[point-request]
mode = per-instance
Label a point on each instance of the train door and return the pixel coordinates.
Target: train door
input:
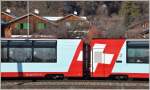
(97, 58)
(86, 60)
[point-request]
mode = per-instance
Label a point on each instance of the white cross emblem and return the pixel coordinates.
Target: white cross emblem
(98, 56)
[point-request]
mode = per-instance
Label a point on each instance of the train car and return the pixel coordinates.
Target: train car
(73, 58)
(120, 58)
(41, 58)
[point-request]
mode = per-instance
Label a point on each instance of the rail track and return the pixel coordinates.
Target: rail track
(75, 84)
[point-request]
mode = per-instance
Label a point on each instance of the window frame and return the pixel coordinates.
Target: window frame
(18, 26)
(26, 26)
(41, 26)
(22, 26)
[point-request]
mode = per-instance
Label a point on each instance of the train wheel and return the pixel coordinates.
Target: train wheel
(60, 77)
(121, 77)
(55, 76)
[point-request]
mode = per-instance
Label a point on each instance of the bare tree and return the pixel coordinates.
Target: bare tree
(116, 31)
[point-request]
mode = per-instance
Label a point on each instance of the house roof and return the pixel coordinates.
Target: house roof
(145, 31)
(12, 16)
(72, 15)
(31, 14)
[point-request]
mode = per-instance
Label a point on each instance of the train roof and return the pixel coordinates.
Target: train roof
(64, 39)
(137, 39)
(34, 39)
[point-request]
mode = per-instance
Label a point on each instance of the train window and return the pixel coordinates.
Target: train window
(4, 51)
(20, 54)
(45, 51)
(29, 51)
(45, 55)
(137, 52)
(20, 51)
(138, 55)
(4, 43)
(4, 54)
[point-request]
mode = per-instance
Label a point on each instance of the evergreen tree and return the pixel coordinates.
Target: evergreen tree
(129, 10)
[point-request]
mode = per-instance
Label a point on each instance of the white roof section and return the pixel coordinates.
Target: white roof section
(83, 17)
(55, 18)
(9, 15)
(52, 18)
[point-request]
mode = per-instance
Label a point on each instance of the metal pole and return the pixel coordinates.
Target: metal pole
(28, 19)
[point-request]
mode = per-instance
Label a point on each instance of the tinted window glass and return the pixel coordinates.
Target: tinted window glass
(20, 54)
(44, 55)
(3, 43)
(138, 44)
(20, 43)
(4, 54)
(44, 44)
(29, 51)
(138, 55)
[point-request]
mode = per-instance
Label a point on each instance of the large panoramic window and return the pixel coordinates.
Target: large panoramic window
(29, 51)
(20, 54)
(4, 57)
(138, 52)
(20, 51)
(136, 55)
(45, 51)
(4, 54)
(44, 55)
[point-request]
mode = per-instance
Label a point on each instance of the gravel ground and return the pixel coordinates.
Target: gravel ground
(74, 84)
